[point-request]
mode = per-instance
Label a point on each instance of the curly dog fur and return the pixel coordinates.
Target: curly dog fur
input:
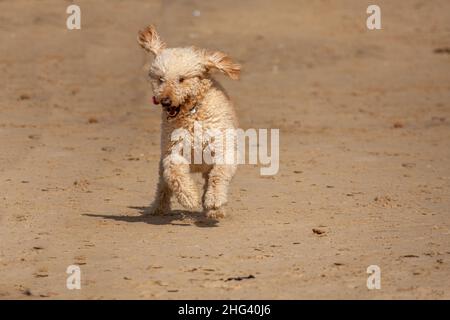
(181, 81)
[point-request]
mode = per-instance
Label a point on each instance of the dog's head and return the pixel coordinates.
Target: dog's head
(181, 75)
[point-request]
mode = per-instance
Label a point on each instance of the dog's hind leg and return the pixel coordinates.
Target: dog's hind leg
(176, 175)
(216, 194)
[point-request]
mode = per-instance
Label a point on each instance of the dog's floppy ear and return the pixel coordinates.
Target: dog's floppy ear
(223, 63)
(150, 41)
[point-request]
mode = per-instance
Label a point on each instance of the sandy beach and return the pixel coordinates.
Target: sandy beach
(364, 177)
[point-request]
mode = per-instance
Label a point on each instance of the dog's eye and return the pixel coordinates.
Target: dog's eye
(160, 79)
(180, 79)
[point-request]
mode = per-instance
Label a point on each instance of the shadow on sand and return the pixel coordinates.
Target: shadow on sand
(175, 217)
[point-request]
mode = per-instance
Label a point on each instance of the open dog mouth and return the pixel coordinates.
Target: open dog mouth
(172, 111)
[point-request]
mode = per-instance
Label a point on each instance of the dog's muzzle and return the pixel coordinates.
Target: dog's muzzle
(166, 103)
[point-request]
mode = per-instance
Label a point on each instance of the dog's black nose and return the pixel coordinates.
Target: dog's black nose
(166, 102)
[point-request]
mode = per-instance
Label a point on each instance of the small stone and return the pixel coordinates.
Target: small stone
(318, 231)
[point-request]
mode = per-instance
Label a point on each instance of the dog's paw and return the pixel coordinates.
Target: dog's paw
(188, 200)
(216, 213)
(213, 201)
(158, 210)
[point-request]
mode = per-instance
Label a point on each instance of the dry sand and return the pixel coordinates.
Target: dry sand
(364, 119)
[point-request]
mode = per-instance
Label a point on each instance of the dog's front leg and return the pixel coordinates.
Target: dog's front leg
(217, 190)
(176, 175)
(161, 205)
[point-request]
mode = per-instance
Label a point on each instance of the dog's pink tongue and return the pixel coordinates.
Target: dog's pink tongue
(154, 100)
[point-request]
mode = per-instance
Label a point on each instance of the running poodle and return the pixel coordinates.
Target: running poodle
(182, 84)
